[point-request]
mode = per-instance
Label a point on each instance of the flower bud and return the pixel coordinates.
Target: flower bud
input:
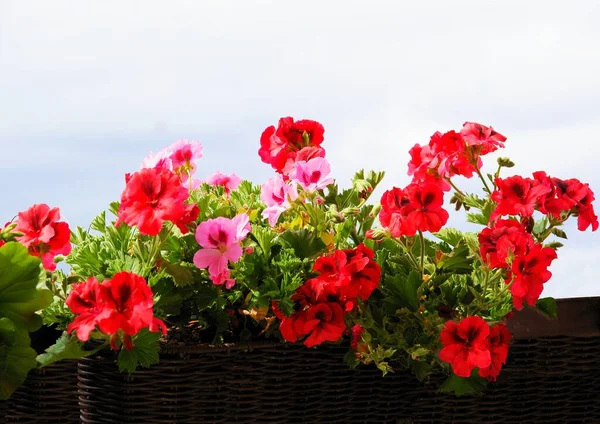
(376, 234)
(505, 162)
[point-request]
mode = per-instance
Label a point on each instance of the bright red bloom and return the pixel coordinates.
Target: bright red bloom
(466, 345)
(324, 322)
(530, 272)
(479, 135)
(585, 212)
(424, 212)
(85, 300)
(499, 340)
(151, 197)
(43, 235)
(190, 214)
(365, 273)
(393, 204)
(357, 331)
(130, 301)
(281, 147)
(444, 157)
(124, 303)
(517, 196)
(416, 208)
(505, 236)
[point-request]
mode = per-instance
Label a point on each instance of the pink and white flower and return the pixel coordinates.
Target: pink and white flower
(220, 240)
(277, 194)
(313, 174)
(229, 182)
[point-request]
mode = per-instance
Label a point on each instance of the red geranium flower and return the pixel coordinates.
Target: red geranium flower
(283, 146)
(122, 303)
(365, 273)
(505, 236)
(425, 212)
(466, 345)
(499, 339)
(444, 157)
(324, 322)
(585, 212)
(85, 300)
(43, 235)
(530, 272)
(393, 209)
(480, 135)
(517, 196)
(357, 331)
(130, 301)
(151, 197)
(190, 214)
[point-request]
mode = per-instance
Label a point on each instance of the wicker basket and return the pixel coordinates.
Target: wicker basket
(49, 395)
(549, 380)
(552, 376)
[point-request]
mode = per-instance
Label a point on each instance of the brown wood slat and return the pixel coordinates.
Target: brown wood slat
(578, 317)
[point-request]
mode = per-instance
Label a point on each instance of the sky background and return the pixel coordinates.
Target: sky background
(87, 89)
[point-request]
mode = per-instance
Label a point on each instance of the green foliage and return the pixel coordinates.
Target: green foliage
(144, 353)
(20, 299)
(404, 291)
(304, 243)
(66, 347)
(459, 386)
(547, 306)
(16, 357)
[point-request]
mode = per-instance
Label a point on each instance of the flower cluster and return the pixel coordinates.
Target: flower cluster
(40, 230)
(473, 344)
(321, 303)
(119, 307)
(220, 240)
(290, 143)
(300, 259)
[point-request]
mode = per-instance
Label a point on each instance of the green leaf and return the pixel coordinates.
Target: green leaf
(540, 225)
(66, 347)
(420, 369)
(19, 296)
(547, 306)
(450, 235)
(304, 243)
(16, 357)
(99, 222)
(473, 385)
(554, 245)
(182, 275)
(404, 289)
(205, 296)
(559, 233)
(265, 239)
(144, 353)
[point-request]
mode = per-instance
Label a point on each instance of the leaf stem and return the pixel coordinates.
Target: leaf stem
(422, 239)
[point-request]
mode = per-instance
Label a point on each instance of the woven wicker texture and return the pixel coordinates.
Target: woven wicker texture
(550, 380)
(49, 395)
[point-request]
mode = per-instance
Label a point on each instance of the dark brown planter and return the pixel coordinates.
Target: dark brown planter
(49, 395)
(552, 377)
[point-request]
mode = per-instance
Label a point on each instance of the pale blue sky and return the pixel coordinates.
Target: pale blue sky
(88, 88)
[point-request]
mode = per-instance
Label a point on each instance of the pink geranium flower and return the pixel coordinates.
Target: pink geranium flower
(179, 157)
(220, 240)
(277, 195)
(229, 182)
(312, 174)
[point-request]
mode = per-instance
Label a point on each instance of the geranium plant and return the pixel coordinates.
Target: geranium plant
(184, 260)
